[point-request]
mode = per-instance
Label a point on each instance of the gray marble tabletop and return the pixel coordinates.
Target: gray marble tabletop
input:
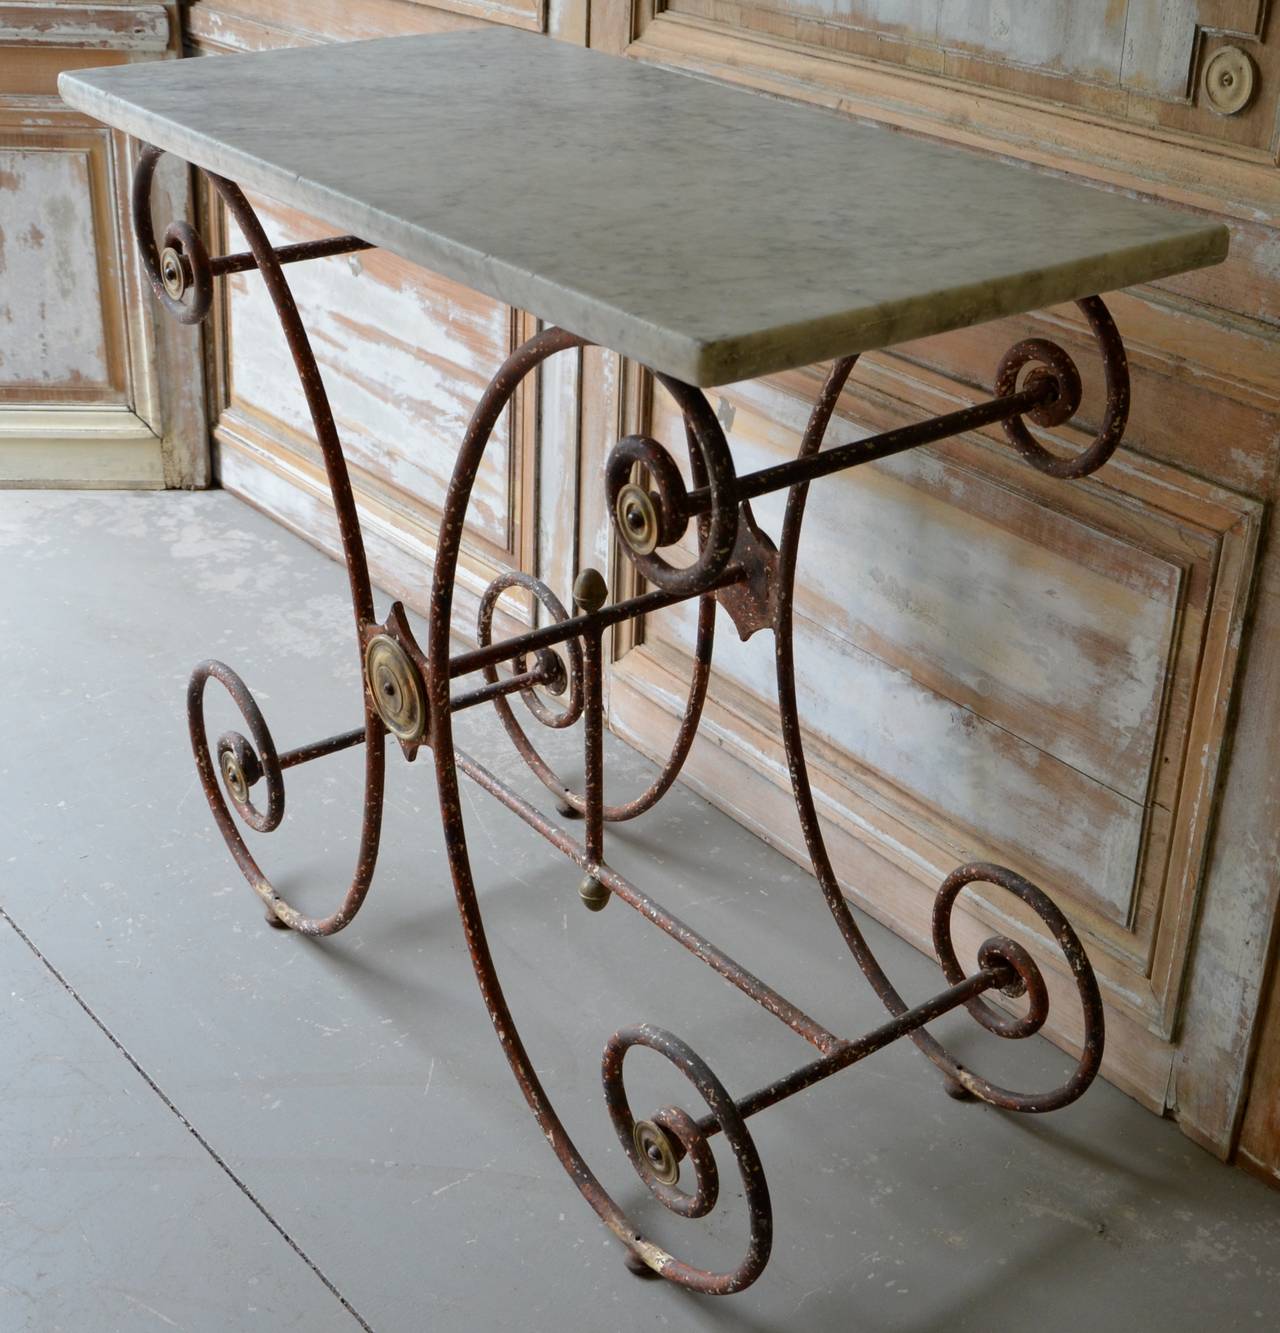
(711, 233)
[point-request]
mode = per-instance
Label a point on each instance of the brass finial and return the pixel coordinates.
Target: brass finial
(595, 897)
(590, 591)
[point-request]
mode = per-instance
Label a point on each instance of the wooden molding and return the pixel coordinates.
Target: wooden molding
(1259, 1149)
(1129, 155)
(86, 272)
(1129, 63)
(96, 447)
(137, 27)
(257, 25)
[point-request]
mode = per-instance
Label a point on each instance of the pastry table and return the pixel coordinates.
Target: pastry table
(712, 235)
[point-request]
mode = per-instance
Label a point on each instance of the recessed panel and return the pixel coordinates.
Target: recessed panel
(50, 297)
(1147, 45)
(993, 659)
(404, 355)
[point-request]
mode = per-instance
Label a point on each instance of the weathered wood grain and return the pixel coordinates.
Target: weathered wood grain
(50, 287)
(94, 391)
(1137, 59)
(134, 27)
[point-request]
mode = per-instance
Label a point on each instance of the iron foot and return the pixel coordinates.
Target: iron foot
(636, 1265)
(957, 1090)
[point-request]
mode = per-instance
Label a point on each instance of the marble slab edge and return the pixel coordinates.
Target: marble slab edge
(700, 361)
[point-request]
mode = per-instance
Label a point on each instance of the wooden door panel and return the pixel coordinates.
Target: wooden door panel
(941, 615)
(1142, 59)
(1153, 562)
(94, 390)
(61, 298)
(999, 667)
(1056, 632)
(404, 356)
(989, 790)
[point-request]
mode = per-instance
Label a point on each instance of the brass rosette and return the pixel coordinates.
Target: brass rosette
(395, 680)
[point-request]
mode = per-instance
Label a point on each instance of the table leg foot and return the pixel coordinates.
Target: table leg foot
(636, 1265)
(957, 1090)
(274, 921)
(249, 764)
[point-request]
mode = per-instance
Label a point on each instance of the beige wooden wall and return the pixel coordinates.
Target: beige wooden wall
(1077, 679)
(94, 389)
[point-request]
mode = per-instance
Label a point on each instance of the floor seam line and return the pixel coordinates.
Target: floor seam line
(190, 1128)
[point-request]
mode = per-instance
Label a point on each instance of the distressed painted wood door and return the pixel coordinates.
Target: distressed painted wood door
(1076, 680)
(95, 390)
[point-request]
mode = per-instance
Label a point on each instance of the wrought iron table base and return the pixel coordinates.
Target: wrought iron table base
(408, 694)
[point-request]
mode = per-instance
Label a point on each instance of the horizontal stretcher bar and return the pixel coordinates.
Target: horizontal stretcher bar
(594, 622)
(800, 470)
(850, 1052)
(837, 1053)
(242, 261)
(719, 961)
(344, 740)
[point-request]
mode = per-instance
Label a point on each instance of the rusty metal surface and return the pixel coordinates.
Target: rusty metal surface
(751, 601)
(1115, 412)
(557, 668)
(278, 910)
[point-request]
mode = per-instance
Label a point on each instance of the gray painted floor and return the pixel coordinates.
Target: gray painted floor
(209, 1125)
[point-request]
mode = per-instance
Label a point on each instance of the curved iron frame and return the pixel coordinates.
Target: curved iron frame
(738, 566)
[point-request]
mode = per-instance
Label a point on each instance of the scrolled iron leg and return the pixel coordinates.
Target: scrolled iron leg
(1053, 374)
(643, 1251)
(734, 557)
(181, 274)
(1023, 978)
(243, 763)
(644, 520)
(656, 1147)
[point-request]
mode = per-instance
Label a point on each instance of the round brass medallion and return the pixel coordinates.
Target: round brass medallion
(656, 1152)
(239, 766)
(233, 776)
(173, 272)
(396, 688)
(1228, 80)
(637, 519)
